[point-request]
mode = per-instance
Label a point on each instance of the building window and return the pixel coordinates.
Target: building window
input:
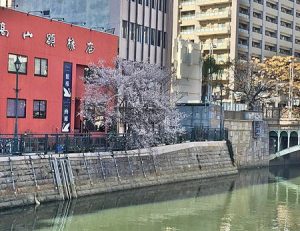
(146, 35)
(132, 28)
(153, 3)
(139, 33)
(152, 37)
(256, 44)
(258, 1)
(124, 29)
(158, 38)
(257, 14)
(39, 109)
(11, 63)
(271, 19)
(40, 67)
(272, 5)
(164, 39)
(11, 110)
(257, 29)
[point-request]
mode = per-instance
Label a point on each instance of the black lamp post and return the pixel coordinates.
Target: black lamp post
(16, 145)
(221, 110)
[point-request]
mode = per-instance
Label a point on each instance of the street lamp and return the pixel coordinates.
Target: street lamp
(209, 86)
(291, 82)
(221, 110)
(17, 67)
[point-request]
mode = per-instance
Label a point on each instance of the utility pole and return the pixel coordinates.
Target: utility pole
(16, 142)
(209, 87)
(221, 111)
(291, 83)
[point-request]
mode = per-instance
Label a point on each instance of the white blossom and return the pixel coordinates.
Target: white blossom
(135, 96)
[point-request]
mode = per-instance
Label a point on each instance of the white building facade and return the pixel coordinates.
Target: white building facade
(144, 26)
(6, 3)
(187, 61)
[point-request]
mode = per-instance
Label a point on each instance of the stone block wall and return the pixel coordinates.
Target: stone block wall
(28, 179)
(21, 179)
(249, 151)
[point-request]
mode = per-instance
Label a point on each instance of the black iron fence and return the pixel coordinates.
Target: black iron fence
(75, 143)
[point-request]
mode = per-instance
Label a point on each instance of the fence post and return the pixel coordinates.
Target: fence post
(215, 135)
(66, 149)
(87, 142)
(46, 144)
(56, 143)
(106, 143)
(21, 144)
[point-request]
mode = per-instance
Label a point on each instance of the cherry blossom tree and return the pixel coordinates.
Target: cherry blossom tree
(136, 98)
(252, 82)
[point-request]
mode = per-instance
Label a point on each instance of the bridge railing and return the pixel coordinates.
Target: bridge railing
(281, 113)
(71, 143)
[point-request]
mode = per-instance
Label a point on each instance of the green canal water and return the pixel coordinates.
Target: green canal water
(260, 199)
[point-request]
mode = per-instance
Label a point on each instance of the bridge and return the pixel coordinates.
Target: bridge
(284, 131)
(283, 141)
(284, 152)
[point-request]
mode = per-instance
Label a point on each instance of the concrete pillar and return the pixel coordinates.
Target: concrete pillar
(289, 136)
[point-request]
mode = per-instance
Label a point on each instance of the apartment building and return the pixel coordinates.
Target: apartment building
(230, 29)
(267, 28)
(144, 26)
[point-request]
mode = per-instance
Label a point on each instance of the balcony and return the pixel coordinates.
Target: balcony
(244, 32)
(204, 16)
(244, 16)
(243, 47)
(211, 2)
(187, 3)
(212, 30)
(222, 60)
(187, 6)
(245, 2)
(225, 45)
(187, 17)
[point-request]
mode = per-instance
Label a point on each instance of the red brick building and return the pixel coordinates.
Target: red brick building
(53, 55)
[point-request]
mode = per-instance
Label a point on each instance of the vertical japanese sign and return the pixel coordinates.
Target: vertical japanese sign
(257, 129)
(67, 94)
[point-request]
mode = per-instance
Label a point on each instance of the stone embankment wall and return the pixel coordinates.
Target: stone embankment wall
(33, 179)
(248, 151)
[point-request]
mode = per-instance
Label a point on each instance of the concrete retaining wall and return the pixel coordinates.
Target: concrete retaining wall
(249, 152)
(29, 179)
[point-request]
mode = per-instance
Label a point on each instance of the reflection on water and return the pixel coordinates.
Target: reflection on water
(253, 200)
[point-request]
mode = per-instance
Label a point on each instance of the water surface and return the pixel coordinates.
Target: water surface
(253, 200)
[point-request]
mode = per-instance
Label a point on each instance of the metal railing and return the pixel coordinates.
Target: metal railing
(281, 113)
(76, 143)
